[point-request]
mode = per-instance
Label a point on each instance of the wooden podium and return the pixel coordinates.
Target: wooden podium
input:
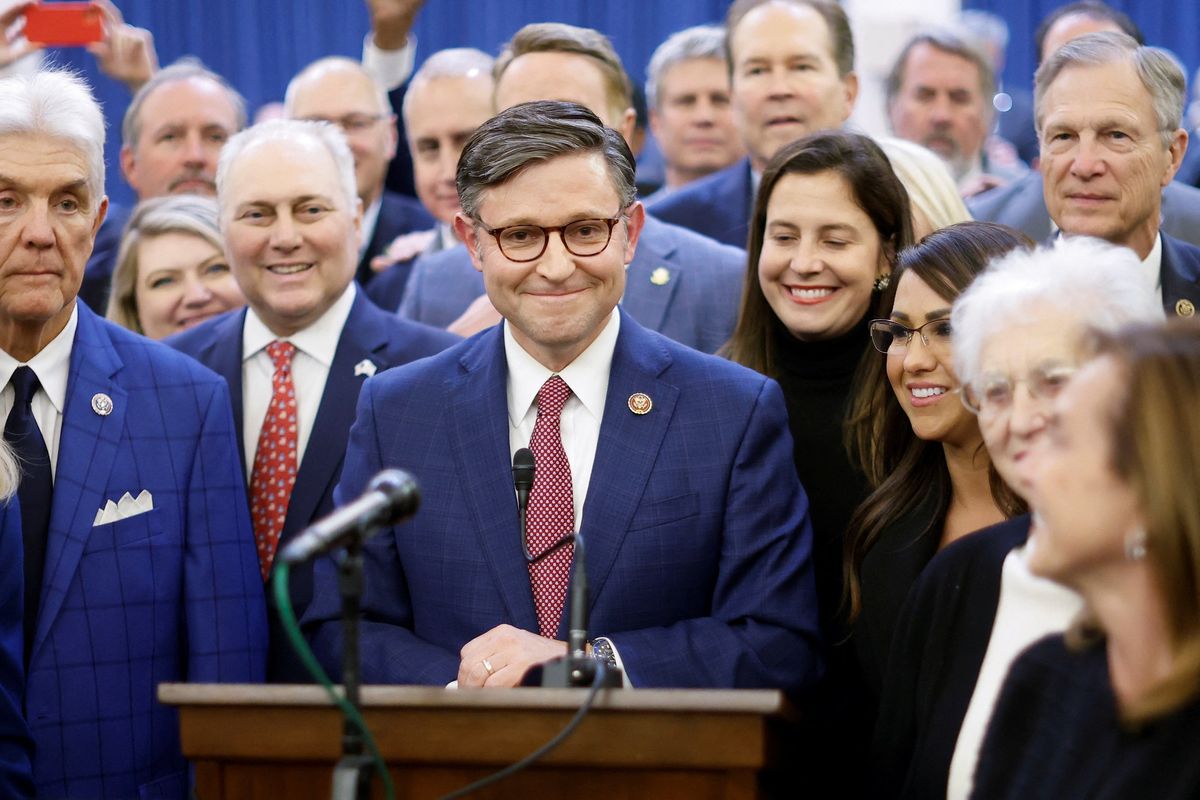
(282, 741)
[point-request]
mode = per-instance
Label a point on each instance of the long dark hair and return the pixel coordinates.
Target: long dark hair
(876, 190)
(905, 471)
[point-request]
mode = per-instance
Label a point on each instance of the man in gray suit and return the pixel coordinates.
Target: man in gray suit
(679, 283)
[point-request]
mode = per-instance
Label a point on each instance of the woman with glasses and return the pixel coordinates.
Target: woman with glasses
(1018, 336)
(922, 451)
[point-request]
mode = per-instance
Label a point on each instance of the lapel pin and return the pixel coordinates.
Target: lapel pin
(640, 403)
(102, 404)
(660, 276)
(1185, 308)
(364, 367)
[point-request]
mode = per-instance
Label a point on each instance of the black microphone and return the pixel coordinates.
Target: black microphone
(392, 496)
(522, 470)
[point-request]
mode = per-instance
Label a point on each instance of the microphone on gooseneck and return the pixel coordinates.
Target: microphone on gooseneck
(522, 470)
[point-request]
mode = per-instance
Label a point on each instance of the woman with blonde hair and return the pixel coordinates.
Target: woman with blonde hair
(932, 193)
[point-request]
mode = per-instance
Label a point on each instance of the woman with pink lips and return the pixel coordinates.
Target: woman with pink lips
(171, 271)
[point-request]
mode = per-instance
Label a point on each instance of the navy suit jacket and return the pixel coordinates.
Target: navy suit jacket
(683, 285)
(1180, 276)
(698, 539)
(1021, 204)
(172, 594)
(370, 334)
(398, 215)
(718, 205)
(97, 275)
(16, 745)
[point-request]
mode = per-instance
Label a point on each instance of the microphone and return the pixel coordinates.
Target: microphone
(522, 470)
(392, 496)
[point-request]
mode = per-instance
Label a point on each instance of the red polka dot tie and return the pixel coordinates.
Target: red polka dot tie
(551, 512)
(274, 472)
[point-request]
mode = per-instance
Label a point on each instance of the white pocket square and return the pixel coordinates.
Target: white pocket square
(128, 506)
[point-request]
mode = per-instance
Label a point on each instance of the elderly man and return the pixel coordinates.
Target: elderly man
(680, 284)
(447, 99)
(687, 94)
(939, 95)
(291, 219)
(139, 563)
(697, 529)
(1109, 115)
(792, 68)
(340, 91)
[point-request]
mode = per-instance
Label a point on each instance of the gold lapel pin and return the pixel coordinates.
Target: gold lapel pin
(661, 276)
(640, 403)
(1185, 308)
(102, 404)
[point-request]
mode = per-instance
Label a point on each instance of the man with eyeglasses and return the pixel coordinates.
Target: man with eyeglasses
(675, 466)
(341, 91)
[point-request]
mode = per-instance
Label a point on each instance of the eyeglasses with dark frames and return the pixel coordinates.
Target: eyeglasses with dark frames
(583, 237)
(891, 338)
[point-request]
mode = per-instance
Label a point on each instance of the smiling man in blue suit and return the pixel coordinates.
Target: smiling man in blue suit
(138, 558)
(674, 465)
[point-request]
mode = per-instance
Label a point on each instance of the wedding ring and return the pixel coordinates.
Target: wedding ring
(488, 666)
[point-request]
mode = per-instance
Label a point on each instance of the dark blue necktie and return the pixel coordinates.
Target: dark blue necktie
(23, 435)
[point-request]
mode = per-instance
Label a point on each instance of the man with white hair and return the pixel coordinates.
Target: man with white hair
(138, 559)
(290, 214)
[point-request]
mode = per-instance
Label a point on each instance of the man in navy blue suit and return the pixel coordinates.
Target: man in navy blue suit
(679, 283)
(674, 465)
(138, 561)
(792, 73)
(291, 220)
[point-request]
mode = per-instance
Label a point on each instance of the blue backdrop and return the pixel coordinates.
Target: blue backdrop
(259, 44)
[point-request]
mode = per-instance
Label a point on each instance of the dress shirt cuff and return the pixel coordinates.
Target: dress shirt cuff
(389, 68)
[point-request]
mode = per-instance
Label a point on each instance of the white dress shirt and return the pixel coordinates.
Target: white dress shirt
(389, 68)
(315, 348)
(52, 365)
(1152, 268)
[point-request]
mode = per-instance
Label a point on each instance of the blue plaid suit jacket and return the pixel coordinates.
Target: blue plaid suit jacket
(169, 595)
(16, 746)
(698, 539)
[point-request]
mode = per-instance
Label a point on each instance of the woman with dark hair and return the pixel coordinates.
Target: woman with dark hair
(921, 450)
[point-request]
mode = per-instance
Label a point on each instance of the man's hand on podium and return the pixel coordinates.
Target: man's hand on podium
(501, 656)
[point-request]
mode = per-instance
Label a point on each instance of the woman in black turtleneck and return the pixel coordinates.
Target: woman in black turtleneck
(829, 220)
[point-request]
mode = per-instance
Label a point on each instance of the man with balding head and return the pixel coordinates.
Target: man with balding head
(680, 284)
(792, 73)
(338, 90)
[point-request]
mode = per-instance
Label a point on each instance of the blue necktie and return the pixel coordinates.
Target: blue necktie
(23, 435)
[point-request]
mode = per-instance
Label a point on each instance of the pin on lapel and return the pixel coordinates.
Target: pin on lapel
(102, 404)
(1185, 308)
(640, 403)
(364, 367)
(661, 276)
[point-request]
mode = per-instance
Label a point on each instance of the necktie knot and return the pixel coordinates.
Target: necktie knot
(25, 383)
(281, 354)
(552, 396)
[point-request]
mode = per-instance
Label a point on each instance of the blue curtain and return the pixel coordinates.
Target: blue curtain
(259, 44)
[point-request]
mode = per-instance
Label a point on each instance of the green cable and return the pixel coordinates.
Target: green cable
(283, 601)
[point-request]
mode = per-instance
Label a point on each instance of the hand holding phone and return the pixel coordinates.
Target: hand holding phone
(63, 24)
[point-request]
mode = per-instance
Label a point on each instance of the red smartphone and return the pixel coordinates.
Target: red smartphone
(63, 24)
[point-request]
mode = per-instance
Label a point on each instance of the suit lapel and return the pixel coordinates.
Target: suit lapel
(480, 446)
(87, 448)
(628, 447)
(224, 357)
(650, 284)
(1180, 276)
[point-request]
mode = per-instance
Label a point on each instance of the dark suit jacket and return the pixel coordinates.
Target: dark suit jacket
(398, 215)
(1022, 205)
(370, 334)
(97, 275)
(1180, 276)
(681, 284)
(698, 540)
(172, 594)
(16, 745)
(718, 205)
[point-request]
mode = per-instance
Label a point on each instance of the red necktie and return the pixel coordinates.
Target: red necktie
(274, 472)
(551, 512)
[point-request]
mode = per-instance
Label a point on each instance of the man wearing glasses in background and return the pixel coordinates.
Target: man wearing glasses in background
(340, 91)
(674, 465)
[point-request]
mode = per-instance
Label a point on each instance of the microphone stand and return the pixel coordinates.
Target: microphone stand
(353, 772)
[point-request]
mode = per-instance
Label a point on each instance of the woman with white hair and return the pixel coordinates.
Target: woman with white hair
(1019, 334)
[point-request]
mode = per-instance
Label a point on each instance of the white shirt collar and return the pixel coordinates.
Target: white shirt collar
(1152, 264)
(369, 220)
(319, 340)
(52, 364)
(587, 375)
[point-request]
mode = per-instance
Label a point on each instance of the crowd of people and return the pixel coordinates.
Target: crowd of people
(902, 426)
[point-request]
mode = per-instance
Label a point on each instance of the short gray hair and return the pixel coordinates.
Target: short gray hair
(1159, 71)
(456, 62)
(701, 41)
(57, 104)
(1093, 283)
(329, 64)
(324, 134)
(948, 41)
(182, 70)
(533, 133)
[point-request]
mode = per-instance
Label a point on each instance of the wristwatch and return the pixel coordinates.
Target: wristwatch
(602, 649)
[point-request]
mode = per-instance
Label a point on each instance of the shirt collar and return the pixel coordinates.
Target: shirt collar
(587, 375)
(319, 340)
(52, 364)
(369, 220)
(1152, 264)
